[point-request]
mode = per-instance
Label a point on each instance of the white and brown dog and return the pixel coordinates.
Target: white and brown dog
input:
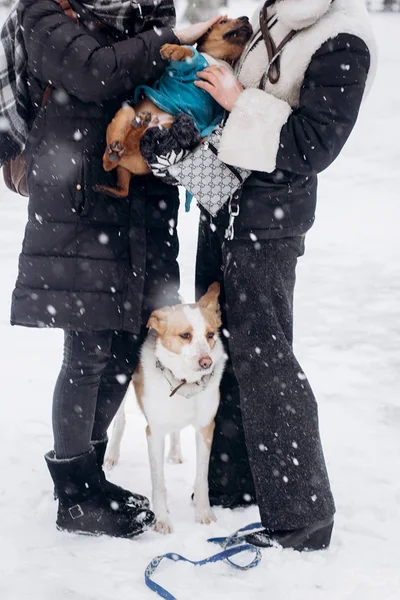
(177, 384)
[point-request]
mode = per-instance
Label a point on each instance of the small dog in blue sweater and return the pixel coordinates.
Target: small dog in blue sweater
(172, 99)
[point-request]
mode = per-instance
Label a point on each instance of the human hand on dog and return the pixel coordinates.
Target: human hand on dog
(222, 84)
(189, 35)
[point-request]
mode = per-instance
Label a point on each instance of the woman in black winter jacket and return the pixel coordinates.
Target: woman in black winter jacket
(286, 124)
(90, 264)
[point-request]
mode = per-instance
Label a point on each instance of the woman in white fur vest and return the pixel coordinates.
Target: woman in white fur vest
(267, 446)
(292, 105)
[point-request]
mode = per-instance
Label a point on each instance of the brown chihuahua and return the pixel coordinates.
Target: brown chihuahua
(225, 41)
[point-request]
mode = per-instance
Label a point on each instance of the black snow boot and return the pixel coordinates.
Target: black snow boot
(316, 536)
(84, 506)
(116, 492)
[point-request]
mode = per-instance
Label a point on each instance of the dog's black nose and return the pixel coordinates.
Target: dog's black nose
(245, 19)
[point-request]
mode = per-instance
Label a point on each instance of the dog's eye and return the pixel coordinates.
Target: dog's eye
(210, 335)
(186, 336)
(223, 22)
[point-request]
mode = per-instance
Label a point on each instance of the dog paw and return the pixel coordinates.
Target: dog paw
(163, 526)
(205, 516)
(115, 151)
(175, 459)
(175, 52)
(110, 462)
(175, 456)
(142, 120)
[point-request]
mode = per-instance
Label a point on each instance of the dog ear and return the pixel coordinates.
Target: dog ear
(210, 298)
(158, 321)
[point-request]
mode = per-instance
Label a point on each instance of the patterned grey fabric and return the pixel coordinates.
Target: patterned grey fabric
(207, 178)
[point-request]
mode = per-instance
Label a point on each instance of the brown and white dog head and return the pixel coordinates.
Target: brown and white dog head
(188, 342)
(226, 39)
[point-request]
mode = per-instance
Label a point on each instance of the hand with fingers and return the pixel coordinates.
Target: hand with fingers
(222, 84)
(189, 35)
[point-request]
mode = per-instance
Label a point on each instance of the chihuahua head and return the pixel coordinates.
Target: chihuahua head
(188, 343)
(226, 39)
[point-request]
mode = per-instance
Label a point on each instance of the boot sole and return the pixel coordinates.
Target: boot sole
(319, 539)
(100, 533)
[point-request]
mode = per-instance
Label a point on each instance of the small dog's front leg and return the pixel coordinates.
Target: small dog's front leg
(156, 447)
(175, 52)
(204, 438)
(117, 131)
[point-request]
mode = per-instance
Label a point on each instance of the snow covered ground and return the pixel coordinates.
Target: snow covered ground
(348, 341)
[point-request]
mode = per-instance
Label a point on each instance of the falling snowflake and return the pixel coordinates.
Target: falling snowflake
(103, 238)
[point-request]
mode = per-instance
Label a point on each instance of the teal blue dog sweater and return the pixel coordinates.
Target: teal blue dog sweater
(175, 92)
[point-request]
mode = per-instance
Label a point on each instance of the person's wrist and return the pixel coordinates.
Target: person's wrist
(239, 93)
(234, 100)
(176, 34)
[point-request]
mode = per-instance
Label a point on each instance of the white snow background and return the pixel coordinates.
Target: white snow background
(348, 342)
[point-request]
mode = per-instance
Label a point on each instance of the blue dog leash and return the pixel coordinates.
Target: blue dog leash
(232, 545)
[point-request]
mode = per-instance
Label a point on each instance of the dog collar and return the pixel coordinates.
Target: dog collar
(185, 389)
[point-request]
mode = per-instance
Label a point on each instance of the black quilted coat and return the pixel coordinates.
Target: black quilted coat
(89, 262)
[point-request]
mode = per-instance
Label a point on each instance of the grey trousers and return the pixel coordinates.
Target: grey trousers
(267, 441)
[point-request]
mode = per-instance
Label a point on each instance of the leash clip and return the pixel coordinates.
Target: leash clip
(234, 210)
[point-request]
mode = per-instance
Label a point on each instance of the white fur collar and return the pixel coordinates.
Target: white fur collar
(342, 16)
(294, 14)
(298, 14)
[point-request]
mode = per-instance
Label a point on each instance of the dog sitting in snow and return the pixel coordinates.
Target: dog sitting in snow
(177, 384)
(173, 94)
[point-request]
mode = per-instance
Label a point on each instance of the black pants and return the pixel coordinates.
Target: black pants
(95, 374)
(267, 438)
(98, 365)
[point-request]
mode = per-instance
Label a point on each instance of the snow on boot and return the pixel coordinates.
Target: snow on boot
(84, 505)
(116, 492)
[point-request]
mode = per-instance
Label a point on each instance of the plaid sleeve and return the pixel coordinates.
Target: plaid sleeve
(157, 14)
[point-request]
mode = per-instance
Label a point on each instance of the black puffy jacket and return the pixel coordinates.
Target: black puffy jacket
(89, 262)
